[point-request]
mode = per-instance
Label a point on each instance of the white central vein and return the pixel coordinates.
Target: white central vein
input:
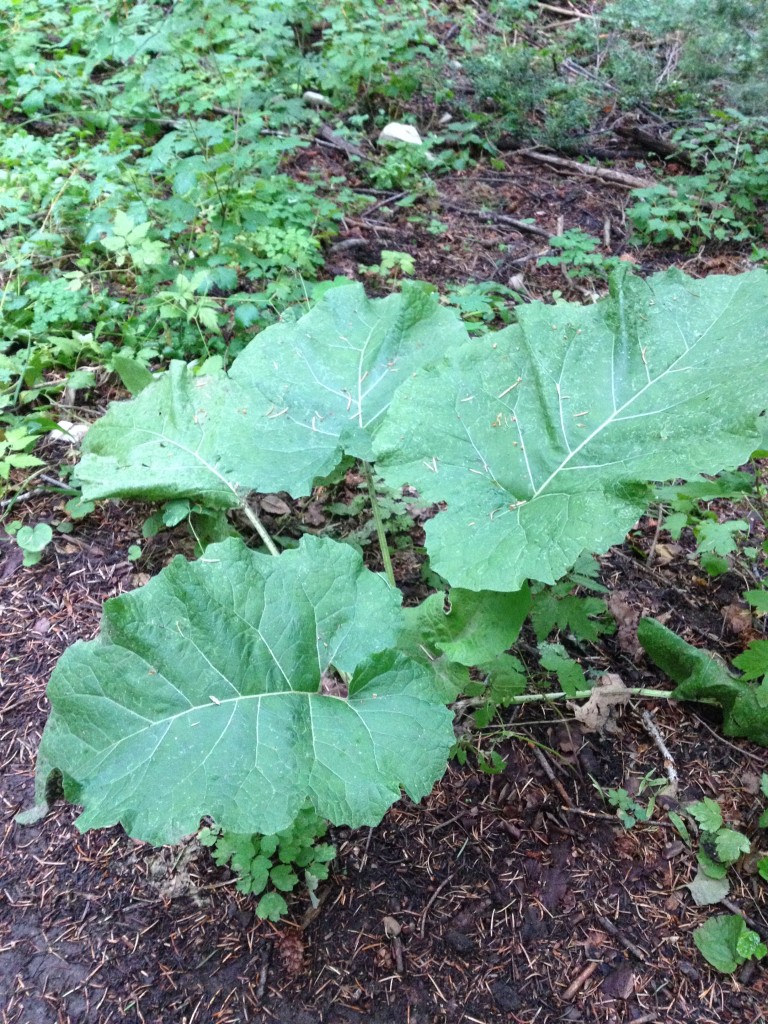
(360, 361)
(615, 416)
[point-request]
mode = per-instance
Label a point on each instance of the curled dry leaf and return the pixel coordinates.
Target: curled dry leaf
(627, 618)
(666, 553)
(737, 617)
(274, 506)
(392, 927)
(599, 712)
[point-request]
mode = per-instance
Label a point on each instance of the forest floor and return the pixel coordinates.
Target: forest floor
(515, 898)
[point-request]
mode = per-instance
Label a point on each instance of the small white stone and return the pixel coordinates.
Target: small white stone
(396, 132)
(446, 118)
(316, 99)
(71, 432)
(516, 283)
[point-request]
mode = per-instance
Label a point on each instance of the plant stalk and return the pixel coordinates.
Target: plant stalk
(380, 531)
(468, 703)
(540, 698)
(259, 527)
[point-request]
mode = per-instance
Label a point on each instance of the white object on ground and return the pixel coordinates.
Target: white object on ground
(67, 431)
(396, 132)
(316, 99)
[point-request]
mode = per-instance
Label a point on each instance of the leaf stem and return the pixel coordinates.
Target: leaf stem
(540, 698)
(259, 527)
(380, 531)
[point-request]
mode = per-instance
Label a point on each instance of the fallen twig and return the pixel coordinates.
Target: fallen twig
(14, 499)
(548, 771)
(605, 173)
(570, 12)
(653, 731)
(578, 983)
(650, 142)
(500, 218)
(383, 202)
(611, 928)
(430, 901)
(327, 137)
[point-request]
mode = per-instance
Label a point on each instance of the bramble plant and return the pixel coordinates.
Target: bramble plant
(724, 200)
(687, 505)
(248, 686)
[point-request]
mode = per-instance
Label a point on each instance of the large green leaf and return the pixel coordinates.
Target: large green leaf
(701, 676)
(466, 630)
(541, 438)
(298, 397)
(204, 695)
(471, 628)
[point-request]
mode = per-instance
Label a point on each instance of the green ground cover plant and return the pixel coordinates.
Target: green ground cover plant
(251, 686)
(147, 202)
(723, 200)
(270, 862)
(147, 205)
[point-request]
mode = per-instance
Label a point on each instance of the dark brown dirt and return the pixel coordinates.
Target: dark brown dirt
(519, 898)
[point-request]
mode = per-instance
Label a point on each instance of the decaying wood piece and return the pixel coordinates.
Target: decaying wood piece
(653, 143)
(605, 173)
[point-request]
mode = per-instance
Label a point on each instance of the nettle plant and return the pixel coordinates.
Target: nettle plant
(248, 688)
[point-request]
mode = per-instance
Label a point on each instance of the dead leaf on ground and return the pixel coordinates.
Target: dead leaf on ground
(627, 618)
(599, 712)
(274, 506)
(738, 618)
(619, 984)
(666, 553)
(392, 927)
(314, 514)
(750, 783)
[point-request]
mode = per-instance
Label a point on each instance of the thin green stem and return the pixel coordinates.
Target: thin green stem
(540, 698)
(380, 531)
(468, 703)
(259, 527)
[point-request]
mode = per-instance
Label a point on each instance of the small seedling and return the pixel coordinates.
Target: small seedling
(628, 810)
(15, 451)
(271, 862)
(33, 540)
(393, 266)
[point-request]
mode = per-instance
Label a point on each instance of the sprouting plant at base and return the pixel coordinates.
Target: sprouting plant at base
(630, 811)
(271, 862)
(251, 686)
(33, 540)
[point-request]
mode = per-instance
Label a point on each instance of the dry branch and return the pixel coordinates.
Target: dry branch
(587, 170)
